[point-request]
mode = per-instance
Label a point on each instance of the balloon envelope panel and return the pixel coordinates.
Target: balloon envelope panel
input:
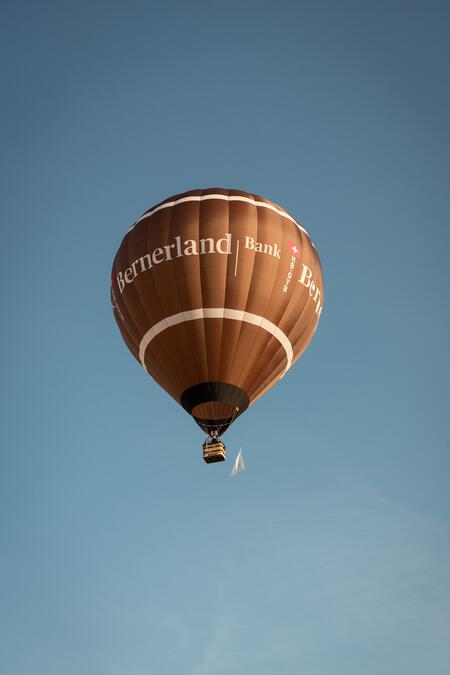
(216, 293)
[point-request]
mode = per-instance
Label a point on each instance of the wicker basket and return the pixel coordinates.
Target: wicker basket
(214, 452)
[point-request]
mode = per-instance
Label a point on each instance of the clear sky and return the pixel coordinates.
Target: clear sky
(121, 552)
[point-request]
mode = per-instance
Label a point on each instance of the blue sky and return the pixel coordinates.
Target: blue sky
(121, 552)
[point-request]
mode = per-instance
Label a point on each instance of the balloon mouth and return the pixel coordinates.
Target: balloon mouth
(214, 405)
(214, 417)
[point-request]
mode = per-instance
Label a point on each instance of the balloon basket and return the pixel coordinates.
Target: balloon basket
(214, 452)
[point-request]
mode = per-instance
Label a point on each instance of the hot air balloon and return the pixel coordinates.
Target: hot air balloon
(216, 293)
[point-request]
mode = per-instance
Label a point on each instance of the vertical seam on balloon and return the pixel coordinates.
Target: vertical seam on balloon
(180, 304)
(249, 351)
(172, 214)
(126, 306)
(315, 271)
(201, 290)
(309, 298)
(132, 345)
(156, 295)
(224, 296)
(230, 367)
(283, 237)
(122, 324)
(224, 303)
(201, 286)
(285, 312)
(275, 283)
(266, 347)
(270, 377)
(136, 290)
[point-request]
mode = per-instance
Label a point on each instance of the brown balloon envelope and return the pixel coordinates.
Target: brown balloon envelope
(216, 293)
